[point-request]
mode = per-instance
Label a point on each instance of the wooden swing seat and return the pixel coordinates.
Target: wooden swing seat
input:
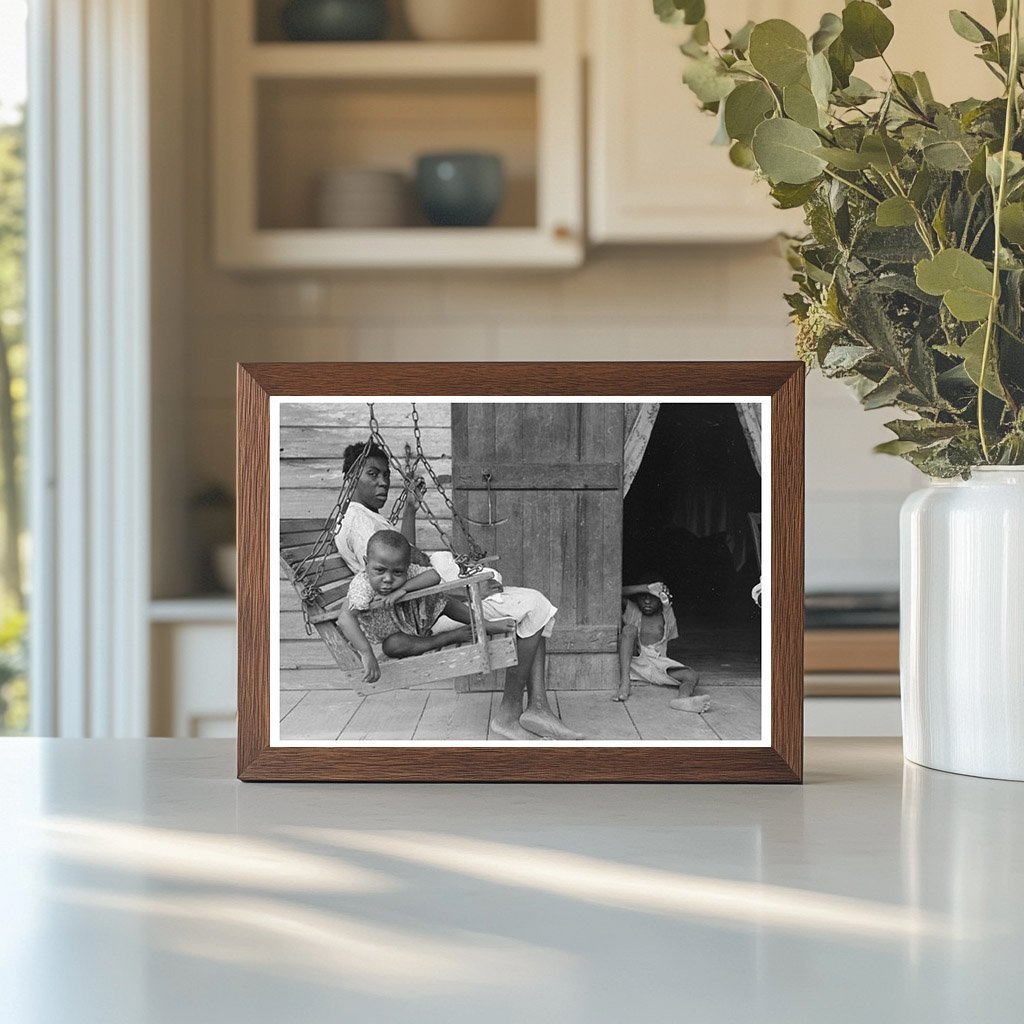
(488, 654)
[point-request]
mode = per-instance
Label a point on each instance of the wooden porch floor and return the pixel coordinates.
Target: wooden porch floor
(442, 714)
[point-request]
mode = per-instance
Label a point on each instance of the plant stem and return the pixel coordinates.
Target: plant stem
(922, 225)
(993, 308)
(850, 184)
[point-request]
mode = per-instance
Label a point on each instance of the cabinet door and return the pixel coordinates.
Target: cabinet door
(556, 472)
(654, 175)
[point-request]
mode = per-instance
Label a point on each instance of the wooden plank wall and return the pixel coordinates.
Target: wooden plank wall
(557, 483)
(313, 438)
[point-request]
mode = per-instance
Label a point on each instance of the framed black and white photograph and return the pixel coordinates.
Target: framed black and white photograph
(520, 571)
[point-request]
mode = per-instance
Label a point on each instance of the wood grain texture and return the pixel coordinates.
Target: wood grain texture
(852, 650)
(783, 381)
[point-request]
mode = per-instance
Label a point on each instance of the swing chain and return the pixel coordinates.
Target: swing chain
(309, 571)
(468, 564)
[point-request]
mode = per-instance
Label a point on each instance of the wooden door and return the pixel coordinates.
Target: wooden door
(556, 473)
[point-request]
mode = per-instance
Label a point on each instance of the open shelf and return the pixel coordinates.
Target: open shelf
(288, 113)
(306, 128)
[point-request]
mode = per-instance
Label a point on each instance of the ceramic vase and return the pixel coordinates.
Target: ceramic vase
(334, 20)
(962, 624)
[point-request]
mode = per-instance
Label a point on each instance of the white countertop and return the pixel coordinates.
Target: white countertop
(142, 884)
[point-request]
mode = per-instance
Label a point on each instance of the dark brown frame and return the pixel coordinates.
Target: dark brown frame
(782, 761)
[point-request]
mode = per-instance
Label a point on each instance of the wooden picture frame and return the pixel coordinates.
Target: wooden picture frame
(777, 387)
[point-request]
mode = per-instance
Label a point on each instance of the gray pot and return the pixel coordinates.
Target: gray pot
(460, 189)
(334, 20)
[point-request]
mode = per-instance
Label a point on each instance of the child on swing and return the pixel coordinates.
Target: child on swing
(372, 614)
(648, 624)
(532, 613)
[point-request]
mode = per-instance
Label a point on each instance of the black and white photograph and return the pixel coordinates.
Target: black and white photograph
(520, 571)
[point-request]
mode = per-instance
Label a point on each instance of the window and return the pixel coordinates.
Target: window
(14, 691)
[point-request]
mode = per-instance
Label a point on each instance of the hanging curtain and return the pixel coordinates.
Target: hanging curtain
(750, 420)
(642, 417)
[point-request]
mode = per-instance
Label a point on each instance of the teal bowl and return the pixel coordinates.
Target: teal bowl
(334, 21)
(462, 190)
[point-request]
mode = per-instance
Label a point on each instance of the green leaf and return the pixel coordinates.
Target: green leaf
(676, 12)
(946, 156)
(883, 153)
(701, 33)
(820, 76)
(789, 197)
(939, 220)
(707, 80)
(785, 152)
(1011, 226)
(896, 212)
(963, 281)
(1014, 169)
(999, 7)
(800, 105)
(829, 30)
(971, 352)
(976, 174)
(968, 28)
(844, 159)
(895, 447)
(745, 108)
(742, 155)
(739, 41)
(885, 394)
(778, 50)
(921, 185)
(923, 431)
(841, 60)
(924, 88)
(866, 29)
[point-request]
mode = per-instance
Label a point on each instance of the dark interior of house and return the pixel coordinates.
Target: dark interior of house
(687, 515)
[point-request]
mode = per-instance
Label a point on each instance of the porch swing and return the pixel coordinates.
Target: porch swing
(310, 560)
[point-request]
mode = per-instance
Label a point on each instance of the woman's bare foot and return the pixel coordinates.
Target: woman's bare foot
(544, 724)
(509, 730)
(623, 691)
(698, 705)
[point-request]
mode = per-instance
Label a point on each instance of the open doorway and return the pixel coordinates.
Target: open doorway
(692, 514)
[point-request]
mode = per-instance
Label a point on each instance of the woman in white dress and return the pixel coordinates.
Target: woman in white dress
(533, 613)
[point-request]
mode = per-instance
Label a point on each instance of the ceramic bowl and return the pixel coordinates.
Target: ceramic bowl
(460, 189)
(334, 20)
(360, 197)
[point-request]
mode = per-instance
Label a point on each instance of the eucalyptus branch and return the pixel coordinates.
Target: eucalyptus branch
(993, 308)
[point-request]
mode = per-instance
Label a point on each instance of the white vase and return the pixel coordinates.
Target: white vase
(962, 624)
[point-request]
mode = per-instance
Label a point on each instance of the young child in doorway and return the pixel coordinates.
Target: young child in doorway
(648, 623)
(372, 614)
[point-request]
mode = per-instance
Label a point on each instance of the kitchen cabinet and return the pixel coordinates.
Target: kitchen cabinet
(653, 175)
(287, 113)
